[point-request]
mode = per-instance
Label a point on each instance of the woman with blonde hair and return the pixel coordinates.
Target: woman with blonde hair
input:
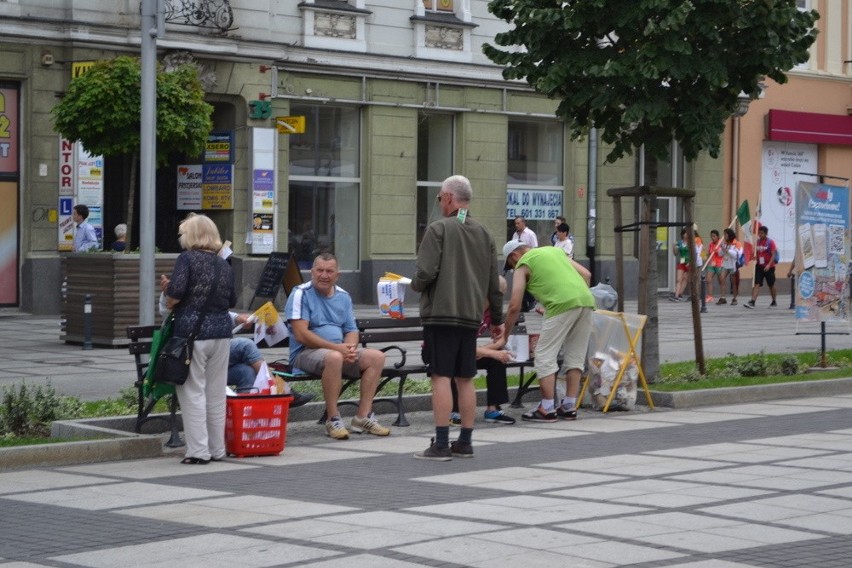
(200, 292)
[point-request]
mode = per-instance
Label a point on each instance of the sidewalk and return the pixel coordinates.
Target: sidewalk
(751, 485)
(30, 348)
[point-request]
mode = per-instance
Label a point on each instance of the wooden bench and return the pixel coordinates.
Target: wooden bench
(387, 335)
(140, 347)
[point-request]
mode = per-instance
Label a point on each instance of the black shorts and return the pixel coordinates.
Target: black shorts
(450, 351)
(761, 274)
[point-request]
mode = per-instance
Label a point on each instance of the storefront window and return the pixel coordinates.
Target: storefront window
(325, 185)
(434, 165)
(535, 179)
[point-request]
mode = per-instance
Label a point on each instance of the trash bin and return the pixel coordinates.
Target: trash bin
(614, 360)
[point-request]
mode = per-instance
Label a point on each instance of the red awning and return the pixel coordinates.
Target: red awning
(811, 127)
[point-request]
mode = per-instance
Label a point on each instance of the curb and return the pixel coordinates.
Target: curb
(754, 393)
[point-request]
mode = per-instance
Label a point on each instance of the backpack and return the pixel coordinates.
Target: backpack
(741, 260)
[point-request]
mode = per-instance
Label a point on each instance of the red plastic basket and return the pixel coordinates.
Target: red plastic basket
(256, 425)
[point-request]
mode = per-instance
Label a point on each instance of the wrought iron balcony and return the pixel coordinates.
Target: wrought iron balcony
(201, 13)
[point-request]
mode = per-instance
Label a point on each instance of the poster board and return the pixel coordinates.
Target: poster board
(280, 268)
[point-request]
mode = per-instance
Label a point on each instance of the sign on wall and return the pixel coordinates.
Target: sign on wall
(189, 187)
(217, 186)
(533, 205)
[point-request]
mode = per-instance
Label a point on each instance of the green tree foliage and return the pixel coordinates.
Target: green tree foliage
(647, 71)
(101, 109)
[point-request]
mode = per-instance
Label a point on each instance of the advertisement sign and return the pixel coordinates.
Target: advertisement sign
(219, 148)
(263, 211)
(823, 238)
(189, 187)
(217, 186)
(81, 179)
(8, 130)
(65, 224)
(8, 243)
(777, 203)
(533, 204)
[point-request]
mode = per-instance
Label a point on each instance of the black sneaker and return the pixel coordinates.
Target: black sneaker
(539, 415)
(460, 449)
(749, 304)
(773, 304)
(435, 453)
(563, 414)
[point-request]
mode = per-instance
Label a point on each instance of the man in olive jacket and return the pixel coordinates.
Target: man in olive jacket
(456, 273)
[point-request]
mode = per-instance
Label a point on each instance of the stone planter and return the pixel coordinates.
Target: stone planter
(112, 280)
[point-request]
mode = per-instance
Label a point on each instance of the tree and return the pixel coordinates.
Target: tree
(648, 71)
(101, 109)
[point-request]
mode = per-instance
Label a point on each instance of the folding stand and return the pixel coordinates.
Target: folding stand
(632, 326)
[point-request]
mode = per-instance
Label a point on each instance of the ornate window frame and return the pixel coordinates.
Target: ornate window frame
(443, 35)
(334, 24)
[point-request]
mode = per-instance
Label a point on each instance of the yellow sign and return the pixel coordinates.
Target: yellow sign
(290, 124)
(80, 67)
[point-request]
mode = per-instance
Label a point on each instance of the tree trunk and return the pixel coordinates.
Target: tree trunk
(131, 198)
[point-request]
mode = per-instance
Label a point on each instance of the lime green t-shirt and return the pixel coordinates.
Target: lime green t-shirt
(554, 282)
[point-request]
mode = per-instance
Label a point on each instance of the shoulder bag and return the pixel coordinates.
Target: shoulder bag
(175, 357)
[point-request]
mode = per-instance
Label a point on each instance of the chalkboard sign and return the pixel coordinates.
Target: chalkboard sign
(272, 276)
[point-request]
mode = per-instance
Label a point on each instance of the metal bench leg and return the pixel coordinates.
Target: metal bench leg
(523, 388)
(174, 439)
(401, 420)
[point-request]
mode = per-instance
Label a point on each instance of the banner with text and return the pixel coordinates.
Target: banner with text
(533, 204)
(823, 252)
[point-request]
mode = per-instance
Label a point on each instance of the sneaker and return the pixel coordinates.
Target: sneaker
(734, 302)
(435, 453)
(369, 425)
(455, 419)
(334, 428)
(749, 304)
(461, 449)
(721, 301)
(708, 299)
(539, 415)
(674, 299)
(564, 414)
(773, 304)
(498, 417)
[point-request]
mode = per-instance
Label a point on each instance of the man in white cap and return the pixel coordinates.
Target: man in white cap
(561, 285)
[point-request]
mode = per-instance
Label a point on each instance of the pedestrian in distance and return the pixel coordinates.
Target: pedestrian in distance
(561, 285)
(729, 250)
(455, 273)
(556, 222)
(766, 258)
(684, 262)
(85, 237)
(120, 243)
(564, 240)
(713, 266)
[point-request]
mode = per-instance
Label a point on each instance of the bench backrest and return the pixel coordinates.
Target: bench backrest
(140, 347)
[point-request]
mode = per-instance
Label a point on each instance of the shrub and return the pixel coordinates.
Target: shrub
(755, 365)
(790, 365)
(28, 412)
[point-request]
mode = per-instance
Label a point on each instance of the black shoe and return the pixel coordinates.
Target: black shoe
(300, 399)
(563, 414)
(461, 449)
(749, 304)
(435, 453)
(773, 304)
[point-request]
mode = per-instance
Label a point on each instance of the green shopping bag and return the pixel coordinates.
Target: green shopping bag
(150, 388)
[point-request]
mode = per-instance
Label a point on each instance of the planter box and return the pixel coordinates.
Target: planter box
(113, 282)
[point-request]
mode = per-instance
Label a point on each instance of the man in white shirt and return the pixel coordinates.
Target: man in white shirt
(524, 233)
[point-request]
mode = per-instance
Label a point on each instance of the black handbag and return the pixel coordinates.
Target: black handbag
(175, 357)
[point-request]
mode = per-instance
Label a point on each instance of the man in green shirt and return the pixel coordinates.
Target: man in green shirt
(561, 285)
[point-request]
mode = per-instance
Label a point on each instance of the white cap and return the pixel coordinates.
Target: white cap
(508, 249)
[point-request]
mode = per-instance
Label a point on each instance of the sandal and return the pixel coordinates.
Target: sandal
(194, 461)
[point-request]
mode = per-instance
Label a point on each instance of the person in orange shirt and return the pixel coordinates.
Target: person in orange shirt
(713, 266)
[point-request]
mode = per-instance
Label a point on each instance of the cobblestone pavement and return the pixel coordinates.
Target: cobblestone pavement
(749, 485)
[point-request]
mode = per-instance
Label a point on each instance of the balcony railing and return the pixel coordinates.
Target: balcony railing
(201, 13)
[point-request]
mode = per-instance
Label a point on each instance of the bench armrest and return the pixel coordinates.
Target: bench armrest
(402, 354)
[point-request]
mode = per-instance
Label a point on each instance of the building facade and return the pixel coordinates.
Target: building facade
(334, 123)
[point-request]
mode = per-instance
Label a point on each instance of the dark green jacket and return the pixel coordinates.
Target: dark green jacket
(456, 273)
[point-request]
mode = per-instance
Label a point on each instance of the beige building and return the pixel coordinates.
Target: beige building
(379, 102)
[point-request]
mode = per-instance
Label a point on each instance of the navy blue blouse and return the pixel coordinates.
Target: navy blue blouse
(191, 282)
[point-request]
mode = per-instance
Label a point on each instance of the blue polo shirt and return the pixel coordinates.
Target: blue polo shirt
(330, 317)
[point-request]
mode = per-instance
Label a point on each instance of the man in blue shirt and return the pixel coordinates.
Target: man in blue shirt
(85, 238)
(324, 343)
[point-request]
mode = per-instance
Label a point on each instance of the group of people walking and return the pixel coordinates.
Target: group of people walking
(721, 265)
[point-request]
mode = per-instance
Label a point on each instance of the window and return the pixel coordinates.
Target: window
(325, 185)
(434, 165)
(535, 180)
(438, 5)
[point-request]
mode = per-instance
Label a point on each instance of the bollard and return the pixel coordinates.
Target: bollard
(87, 322)
(792, 291)
(703, 294)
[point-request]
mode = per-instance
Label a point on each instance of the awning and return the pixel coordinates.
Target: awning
(810, 127)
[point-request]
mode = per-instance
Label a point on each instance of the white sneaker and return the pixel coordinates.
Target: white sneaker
(334, 428)
(369, 425)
